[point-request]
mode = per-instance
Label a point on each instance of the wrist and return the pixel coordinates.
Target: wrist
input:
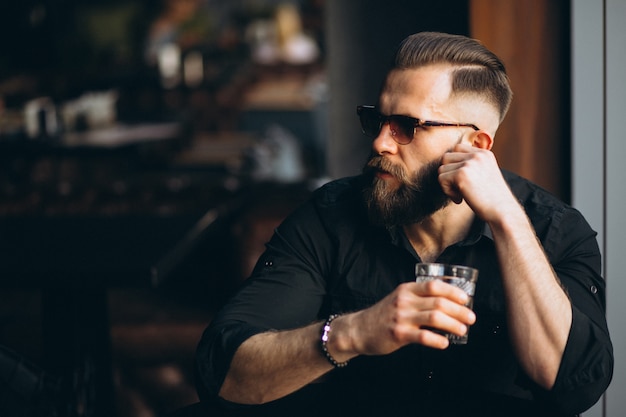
(509, 217)
(327, 339)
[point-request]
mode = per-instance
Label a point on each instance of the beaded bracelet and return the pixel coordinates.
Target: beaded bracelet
(325, 336)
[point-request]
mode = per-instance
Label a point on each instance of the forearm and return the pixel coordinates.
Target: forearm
(271, 365)
(538, 310)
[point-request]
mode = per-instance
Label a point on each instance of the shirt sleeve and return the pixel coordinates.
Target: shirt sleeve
(286, 290)
(587, 365)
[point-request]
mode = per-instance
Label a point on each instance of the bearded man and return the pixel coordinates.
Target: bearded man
(332, 321)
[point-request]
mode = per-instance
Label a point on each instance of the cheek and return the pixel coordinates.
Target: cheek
(417, 158)
(424, 150)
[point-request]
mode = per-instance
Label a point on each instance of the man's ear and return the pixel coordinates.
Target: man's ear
(482, 139)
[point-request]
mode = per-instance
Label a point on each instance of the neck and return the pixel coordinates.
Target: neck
(444, 228)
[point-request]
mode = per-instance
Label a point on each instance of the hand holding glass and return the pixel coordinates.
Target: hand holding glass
(463, 277)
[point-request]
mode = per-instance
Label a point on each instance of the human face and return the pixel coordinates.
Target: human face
(404, 184)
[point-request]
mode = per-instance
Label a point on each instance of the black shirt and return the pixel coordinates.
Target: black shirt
(327, 258)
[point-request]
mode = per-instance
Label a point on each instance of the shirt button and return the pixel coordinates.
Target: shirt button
(593, 289)
(496, 329)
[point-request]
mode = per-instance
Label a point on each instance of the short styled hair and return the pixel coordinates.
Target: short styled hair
(477, 69)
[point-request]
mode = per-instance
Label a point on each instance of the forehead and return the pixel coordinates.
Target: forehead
(426, 87)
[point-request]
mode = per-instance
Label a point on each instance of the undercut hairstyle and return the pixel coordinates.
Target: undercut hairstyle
(477, 70)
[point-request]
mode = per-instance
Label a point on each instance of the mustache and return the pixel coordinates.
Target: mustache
(426, 178)
(380, 163)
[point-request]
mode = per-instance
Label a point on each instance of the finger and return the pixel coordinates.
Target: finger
(452, 304)
(451, 190)
(440, 320)
(421, 334)
(442, 311)
(436, 337)
(436, 295)
(434, 312)
(452, 161)
(448, 182)
(459, 153)
(439, 288)
(431, 338)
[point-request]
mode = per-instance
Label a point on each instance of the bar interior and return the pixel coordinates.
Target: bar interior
(147, 151)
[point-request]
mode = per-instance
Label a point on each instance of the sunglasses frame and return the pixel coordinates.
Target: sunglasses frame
(364, 111)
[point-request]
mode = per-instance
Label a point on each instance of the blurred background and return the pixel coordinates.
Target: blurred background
(148, 149)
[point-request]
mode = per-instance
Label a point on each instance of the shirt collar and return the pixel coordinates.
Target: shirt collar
(477, 231)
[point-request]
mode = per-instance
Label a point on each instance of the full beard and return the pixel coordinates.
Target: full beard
(415, 198)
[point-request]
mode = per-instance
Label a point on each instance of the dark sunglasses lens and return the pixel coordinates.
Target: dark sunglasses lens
(370, 122)
(403, 127)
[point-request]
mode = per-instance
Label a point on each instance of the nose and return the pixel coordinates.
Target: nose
(384, 142)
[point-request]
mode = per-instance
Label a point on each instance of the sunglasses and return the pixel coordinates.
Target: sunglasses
(402, 127)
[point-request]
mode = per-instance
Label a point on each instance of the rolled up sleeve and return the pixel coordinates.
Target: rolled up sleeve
(285, 291)
(587, 365)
